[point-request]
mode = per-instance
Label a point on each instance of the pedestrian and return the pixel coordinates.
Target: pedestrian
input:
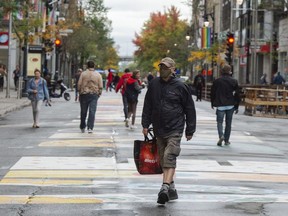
(199, 83)
(133, 89)
(90, 87)
(16, 75)
(150, 77)
(278, 79)
(109, 80)
(77, 76)
(37, 92)
(225, 96)
(116, 79)
(3, 73)
(263, 79)
(168, 105)
(122, 85)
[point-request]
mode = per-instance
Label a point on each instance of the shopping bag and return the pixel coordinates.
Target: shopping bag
(146, 155)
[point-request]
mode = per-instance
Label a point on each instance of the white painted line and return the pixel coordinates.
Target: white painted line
(65, 163)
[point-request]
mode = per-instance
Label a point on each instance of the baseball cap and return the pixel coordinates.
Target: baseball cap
(169, 62)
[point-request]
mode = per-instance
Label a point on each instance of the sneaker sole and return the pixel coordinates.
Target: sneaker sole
(173, 195)
(162, 199)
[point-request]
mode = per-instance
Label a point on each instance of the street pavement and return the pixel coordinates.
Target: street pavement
(98, 175)
(11, 103)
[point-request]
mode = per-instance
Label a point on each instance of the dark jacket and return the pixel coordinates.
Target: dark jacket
(133, 89)
(225, 92)
(167, 106)
(199, 81)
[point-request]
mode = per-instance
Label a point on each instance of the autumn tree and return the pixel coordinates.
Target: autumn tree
(162, 35)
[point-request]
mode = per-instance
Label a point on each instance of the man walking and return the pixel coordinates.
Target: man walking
(168, 105)
(199, 83)
(225, 96)
(90, 87)
(122, 85)
(16, 75)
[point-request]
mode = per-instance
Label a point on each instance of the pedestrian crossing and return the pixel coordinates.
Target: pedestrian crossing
(106, 173)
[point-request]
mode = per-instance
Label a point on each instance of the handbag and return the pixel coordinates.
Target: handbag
(146, 155)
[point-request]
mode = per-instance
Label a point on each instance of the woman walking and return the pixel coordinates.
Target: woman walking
(37, 91)
(133, 89)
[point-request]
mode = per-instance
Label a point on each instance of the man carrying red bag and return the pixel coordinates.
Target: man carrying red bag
(168, 106)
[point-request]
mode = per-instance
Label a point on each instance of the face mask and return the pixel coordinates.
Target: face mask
(165, 73)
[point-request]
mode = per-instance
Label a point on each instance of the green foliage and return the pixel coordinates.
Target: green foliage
(162, 35)
(91, 40)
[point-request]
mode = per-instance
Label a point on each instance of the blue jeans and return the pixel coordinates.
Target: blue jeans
(228, 114)
(88, 101)
(125, 105)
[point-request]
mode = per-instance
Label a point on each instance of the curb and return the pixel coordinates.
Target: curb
(14, 108)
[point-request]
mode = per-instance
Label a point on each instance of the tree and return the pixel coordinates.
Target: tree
(162, 35)
(91, 40)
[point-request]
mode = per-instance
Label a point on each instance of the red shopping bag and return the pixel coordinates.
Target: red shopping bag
(146, 156)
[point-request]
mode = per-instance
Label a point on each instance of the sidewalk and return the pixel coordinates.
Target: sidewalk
(11, 104)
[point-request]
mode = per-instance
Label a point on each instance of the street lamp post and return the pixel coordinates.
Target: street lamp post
(212, 38)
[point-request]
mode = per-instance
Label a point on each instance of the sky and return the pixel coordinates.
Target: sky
(128, 17)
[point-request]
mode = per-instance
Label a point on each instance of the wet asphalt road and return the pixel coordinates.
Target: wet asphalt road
(56, 170)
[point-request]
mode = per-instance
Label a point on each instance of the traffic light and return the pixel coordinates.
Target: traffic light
(229, 48)
(58, 45)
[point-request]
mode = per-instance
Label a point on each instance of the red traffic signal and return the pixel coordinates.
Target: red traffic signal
(57, 42)
(230, 38)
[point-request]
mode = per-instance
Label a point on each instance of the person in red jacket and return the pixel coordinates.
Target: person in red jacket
(133, 89)
(122, 85)
(109, 80)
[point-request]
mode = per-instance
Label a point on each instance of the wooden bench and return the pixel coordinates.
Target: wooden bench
(266, 102)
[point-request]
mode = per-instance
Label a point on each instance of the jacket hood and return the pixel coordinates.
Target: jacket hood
(126, 75)
(131, 80)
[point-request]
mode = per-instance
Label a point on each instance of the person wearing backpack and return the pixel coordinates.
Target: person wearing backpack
(133, 89)
(199, 83)
(122, 85)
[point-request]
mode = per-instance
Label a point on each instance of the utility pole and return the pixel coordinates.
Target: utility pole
(255, 44)
(248, 41)
(9, 57)
(25, 55)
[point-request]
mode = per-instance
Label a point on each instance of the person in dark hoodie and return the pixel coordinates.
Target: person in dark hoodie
(133, 89)
(225, 96)
(168, 105)
(122, 85)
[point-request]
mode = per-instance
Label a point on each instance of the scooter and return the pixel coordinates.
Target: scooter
(63, 90)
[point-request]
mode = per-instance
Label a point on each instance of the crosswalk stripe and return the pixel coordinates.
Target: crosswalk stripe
(95, 134)
(139, 198)
(97, 143)
(14, 177)
(184, 165)
(52, 199)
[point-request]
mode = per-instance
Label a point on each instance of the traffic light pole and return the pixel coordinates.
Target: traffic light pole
(248, 41)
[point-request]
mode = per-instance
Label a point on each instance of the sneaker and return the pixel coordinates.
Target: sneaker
(132, 127)
(219, 143)
(163, 195)
(82, 130)
(227, 143)
(127, 122)
(172, 192)
(90, 131)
